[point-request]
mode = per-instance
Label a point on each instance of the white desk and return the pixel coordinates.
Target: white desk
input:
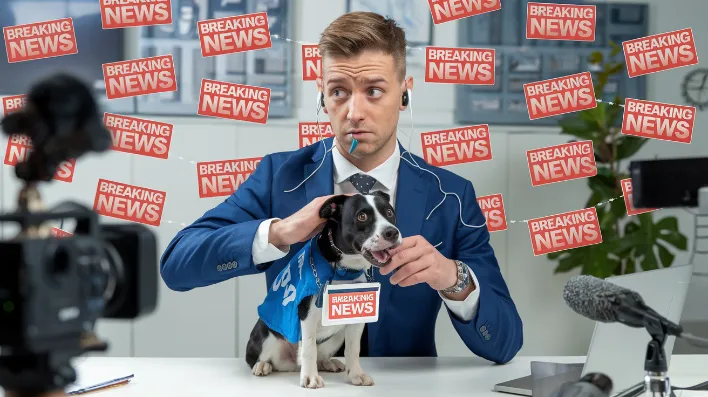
(196, 377)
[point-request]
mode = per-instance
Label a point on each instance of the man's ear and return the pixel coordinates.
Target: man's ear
(333, 206)
(383, 195)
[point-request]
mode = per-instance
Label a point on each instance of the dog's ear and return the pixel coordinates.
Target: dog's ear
(333, 206)
(383, 195)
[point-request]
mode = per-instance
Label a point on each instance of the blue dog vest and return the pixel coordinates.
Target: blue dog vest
(295, 282)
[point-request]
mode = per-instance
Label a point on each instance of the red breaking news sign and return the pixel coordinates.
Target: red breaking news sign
(564, 231)
(560, 95)
(56, 232)
(658, 120)
(492, 207)
(223, 177)
(18, 150)
(459, 65)
(234, 34)
(561, 163)
(129, 202)
(311, 132)
(311, 62)
(449, 10)
(13, 103)
(139, 136)
(40, 40)
(457, 145)
(234, 101)
(659, 52)
(117, 14)
(547, 21)
(137, 77)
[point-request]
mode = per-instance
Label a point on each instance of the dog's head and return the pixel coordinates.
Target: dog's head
(362, 225)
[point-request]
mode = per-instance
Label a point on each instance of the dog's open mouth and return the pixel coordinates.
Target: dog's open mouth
(380, 257)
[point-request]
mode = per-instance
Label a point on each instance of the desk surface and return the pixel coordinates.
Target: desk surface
(215, 377)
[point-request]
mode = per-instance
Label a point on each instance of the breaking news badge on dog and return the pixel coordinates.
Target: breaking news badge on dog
(351, 303)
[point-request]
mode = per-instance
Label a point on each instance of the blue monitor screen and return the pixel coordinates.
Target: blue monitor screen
(96, 45)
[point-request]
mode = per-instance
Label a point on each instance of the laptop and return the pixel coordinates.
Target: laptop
(616, 350)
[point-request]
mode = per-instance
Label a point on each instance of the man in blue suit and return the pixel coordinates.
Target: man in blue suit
(270, 216)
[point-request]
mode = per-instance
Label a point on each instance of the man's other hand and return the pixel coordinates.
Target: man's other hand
(300, 226)
(417, 262)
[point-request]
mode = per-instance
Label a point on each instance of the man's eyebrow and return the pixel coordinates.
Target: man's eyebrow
(365, 80)
(373, 80)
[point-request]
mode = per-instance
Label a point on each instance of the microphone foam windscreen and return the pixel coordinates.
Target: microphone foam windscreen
(592, 297)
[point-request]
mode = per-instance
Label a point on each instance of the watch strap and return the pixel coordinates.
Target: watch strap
(463, 279)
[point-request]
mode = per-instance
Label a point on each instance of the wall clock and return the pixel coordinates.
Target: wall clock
(695, 88)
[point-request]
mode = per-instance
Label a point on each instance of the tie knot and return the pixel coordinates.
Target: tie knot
(362, 182)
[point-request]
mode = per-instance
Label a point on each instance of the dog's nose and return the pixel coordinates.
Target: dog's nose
(391, 234)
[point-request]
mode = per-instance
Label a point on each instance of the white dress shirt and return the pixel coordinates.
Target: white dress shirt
(386, 176)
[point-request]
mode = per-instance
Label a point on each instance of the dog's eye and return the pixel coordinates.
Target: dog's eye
(389, 213)
(361, 217)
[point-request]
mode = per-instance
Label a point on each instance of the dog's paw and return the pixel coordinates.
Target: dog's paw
(332, 365)
(313, 381)
(262, 368)
(360, 379)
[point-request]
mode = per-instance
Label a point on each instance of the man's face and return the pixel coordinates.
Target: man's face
(363, 100)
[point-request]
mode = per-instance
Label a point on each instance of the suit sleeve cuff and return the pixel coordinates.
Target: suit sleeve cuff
(466, 309)
(263, 251)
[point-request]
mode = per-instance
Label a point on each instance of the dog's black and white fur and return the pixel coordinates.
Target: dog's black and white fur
(363, 231)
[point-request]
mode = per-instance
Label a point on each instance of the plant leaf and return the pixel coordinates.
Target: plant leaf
(576, 127)
(665, 256)
(596, 57)
(628, 145)
(615, 48)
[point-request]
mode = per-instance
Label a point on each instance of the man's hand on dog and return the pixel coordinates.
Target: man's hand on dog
(300, 226)
(416, 261)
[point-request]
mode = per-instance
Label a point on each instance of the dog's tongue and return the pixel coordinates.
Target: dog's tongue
(381, 256)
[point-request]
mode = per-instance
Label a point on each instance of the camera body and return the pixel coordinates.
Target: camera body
(52, 290)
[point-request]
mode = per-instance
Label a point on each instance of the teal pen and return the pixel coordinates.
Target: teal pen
(102, 385)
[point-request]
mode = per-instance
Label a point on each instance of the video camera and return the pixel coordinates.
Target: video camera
(53, 289)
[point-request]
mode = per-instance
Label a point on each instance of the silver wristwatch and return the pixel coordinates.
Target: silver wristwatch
(463, 279)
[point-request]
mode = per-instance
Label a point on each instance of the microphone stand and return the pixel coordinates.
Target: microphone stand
(656, 381)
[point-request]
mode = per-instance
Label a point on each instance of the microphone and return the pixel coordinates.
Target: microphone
(606, 302)
(593, 384)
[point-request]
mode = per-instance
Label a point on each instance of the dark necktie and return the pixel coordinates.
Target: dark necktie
(362, 182)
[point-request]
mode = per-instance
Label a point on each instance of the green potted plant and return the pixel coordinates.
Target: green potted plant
(628, 243)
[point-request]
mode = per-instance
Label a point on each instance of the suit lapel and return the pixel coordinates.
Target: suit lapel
(321, 183)
(411, 204)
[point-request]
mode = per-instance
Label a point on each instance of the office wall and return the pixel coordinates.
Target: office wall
(217, 320)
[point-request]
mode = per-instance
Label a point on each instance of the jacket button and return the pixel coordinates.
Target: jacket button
(487, 337)
(482, 329)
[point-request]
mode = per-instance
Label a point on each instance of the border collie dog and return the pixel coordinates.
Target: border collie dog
(289, 336)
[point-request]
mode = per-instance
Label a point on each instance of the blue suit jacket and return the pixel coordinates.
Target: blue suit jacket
(217, 247)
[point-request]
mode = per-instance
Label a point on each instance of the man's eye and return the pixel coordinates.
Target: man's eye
(375, 92)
